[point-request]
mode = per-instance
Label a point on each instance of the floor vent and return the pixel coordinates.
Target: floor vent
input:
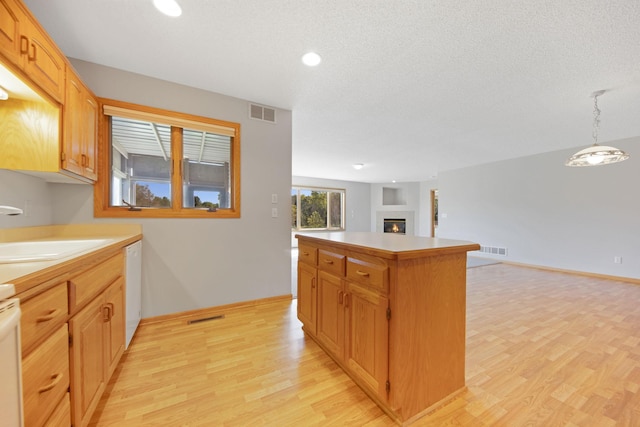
(205, 319)
(260, 112)
(493, 250)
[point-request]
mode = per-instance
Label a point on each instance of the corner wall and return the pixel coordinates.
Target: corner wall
(197, 263)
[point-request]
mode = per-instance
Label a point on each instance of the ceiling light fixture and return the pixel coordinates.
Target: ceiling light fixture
(168, 7)
(4, 95)
(597, 154)
(311, 59)
(358, 166)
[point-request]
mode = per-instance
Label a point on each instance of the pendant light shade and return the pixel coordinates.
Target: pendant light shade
(597, 154)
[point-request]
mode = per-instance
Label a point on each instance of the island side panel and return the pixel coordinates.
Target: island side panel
(427, 332)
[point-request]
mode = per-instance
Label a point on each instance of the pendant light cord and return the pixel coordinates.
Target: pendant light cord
(596, 120)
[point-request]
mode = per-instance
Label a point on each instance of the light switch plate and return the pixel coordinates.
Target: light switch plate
(274, 198)
(274, 212)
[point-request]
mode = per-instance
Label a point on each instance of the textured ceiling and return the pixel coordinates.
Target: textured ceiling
(409, 88)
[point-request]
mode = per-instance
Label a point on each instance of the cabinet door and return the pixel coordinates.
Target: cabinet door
(114, 328)
(88, 367)
(307, 293)
(368, 337)
(79, 146)
(90, 132)
(45, 377)
(45, 65)
(72, 144)
(331, 313)
(11, 17)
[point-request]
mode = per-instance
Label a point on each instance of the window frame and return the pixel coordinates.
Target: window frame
(102, 207)
(343, 219)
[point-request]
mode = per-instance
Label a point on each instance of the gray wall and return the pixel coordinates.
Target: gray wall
(193, 263)
(548, 214)
(28, 193)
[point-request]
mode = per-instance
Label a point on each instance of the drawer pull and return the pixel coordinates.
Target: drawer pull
(305, 253)
(50, 316)
(55, 379)
(362, 273)
(327, 261)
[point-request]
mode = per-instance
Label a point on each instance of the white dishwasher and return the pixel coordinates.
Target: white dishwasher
(11, 384)
(133, 278)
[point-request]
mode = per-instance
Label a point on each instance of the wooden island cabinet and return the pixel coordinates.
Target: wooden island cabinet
(391, 311)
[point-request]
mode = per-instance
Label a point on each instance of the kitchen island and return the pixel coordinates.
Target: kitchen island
(390, 309)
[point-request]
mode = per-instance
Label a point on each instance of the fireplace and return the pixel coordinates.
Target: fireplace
(395, 225)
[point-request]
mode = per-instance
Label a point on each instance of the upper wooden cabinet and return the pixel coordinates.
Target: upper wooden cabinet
(11, 17)
(27, 47)
(80, 134)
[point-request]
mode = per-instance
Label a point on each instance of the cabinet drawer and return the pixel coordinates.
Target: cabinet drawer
(61, 416)
(331, 262)
(43, 314)
(307, 254)
(85, 286)
(369, 273)
(45, 377)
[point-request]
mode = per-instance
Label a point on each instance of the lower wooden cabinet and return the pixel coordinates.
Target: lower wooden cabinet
(307, 294)
(45, 377)
(97, 342)
(73, 336)
(390, 310)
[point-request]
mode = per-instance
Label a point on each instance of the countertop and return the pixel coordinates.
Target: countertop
(390, 245)
(25, 275)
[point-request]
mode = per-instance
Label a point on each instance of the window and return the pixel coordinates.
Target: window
(317, 208)
(160, 163)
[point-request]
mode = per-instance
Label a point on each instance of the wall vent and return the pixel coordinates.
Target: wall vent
(493, 250)
(260, 112)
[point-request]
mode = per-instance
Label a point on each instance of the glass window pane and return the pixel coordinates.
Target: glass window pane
(335, 210)
(294, 209)
(140, 163)
(313, 205)
(206, 170)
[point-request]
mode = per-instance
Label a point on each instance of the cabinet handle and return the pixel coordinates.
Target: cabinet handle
(112, 309)
(84, 161)
(327, 261)
(313, 282)
(362, 273)
(346, 300)
(305, 253)
(106, 313)
(33, 49)
(49, 316)
(340, 297)
(24, 44)
(55, 379)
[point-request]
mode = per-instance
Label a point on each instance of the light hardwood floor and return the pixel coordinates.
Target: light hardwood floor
(543, 349)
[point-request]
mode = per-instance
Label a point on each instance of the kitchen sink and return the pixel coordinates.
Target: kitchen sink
(45, 250)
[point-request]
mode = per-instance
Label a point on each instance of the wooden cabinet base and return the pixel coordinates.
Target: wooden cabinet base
(391, 312)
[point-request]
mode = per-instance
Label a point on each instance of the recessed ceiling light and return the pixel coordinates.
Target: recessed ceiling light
(358, 166)
(311, 59)
(168, 7)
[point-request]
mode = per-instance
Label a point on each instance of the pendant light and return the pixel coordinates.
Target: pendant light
(597, 154)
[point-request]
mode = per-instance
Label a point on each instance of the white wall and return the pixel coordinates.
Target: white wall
(26, 192)
(548, 214)
(357, 203)
(197, 263)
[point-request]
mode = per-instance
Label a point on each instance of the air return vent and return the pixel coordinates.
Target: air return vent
(260, 112)
(205, 319)
(493, 250)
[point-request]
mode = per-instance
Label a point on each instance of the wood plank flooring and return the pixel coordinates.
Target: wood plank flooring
(543, 349)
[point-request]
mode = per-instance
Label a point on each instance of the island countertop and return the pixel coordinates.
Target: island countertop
(390, 245)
